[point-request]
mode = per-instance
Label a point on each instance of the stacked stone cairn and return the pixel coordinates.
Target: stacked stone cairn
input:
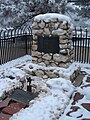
(53, 24)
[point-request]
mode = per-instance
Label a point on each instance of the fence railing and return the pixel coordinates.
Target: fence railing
(15, 43)
(81, 44)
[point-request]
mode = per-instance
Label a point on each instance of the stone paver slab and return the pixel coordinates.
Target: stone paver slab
(4, 116)
(13, 108)
(77, 96)
(86, 106)
(5, 103)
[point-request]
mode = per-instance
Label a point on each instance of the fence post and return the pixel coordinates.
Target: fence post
(0, 48)
(26, 43)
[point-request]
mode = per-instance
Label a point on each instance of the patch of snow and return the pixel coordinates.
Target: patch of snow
(49, 16)
(86, 92)
(86, 68)
(7, 84)
(60, 83)
(51, 1)
(9, 70)
(66, 73)
(72, 4)
(81, 112)
(10, 64)
(18, 72)
(51, 105)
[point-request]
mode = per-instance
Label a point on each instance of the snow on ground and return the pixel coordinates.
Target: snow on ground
(85, 68)
(9, 70)
(7, 84)
(12, 69)
(19, 61)
(64, 85)
(81, 113)
(51, 103)
(65, 72)
(84, 90)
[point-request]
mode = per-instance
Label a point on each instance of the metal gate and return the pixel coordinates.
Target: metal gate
(81, 44)
(15, 43)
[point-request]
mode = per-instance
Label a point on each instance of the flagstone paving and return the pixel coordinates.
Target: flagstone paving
(80, 104)
(14, 103)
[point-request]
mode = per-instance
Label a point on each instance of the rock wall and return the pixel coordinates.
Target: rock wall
(53, 25)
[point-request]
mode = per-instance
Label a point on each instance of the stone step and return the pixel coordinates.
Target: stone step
(78, 80)
(13, 108)
(4, 103)
(88, 79)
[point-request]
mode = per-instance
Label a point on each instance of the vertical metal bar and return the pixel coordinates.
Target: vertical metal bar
(85, 47)
(78, 48)
(29, 44)
(15, 47)
(15, 44)
(88, 50)
(0, 47)
(1, 57)
(9, 45)
(80, 52)
(1, 51)
(72, 46)
(83, 52)
(4, 49)
(6, 55)
(26, 43)
(75, 43)
(31, 41)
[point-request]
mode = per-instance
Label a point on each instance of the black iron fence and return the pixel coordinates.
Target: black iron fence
(81, 44)
(15, 43)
